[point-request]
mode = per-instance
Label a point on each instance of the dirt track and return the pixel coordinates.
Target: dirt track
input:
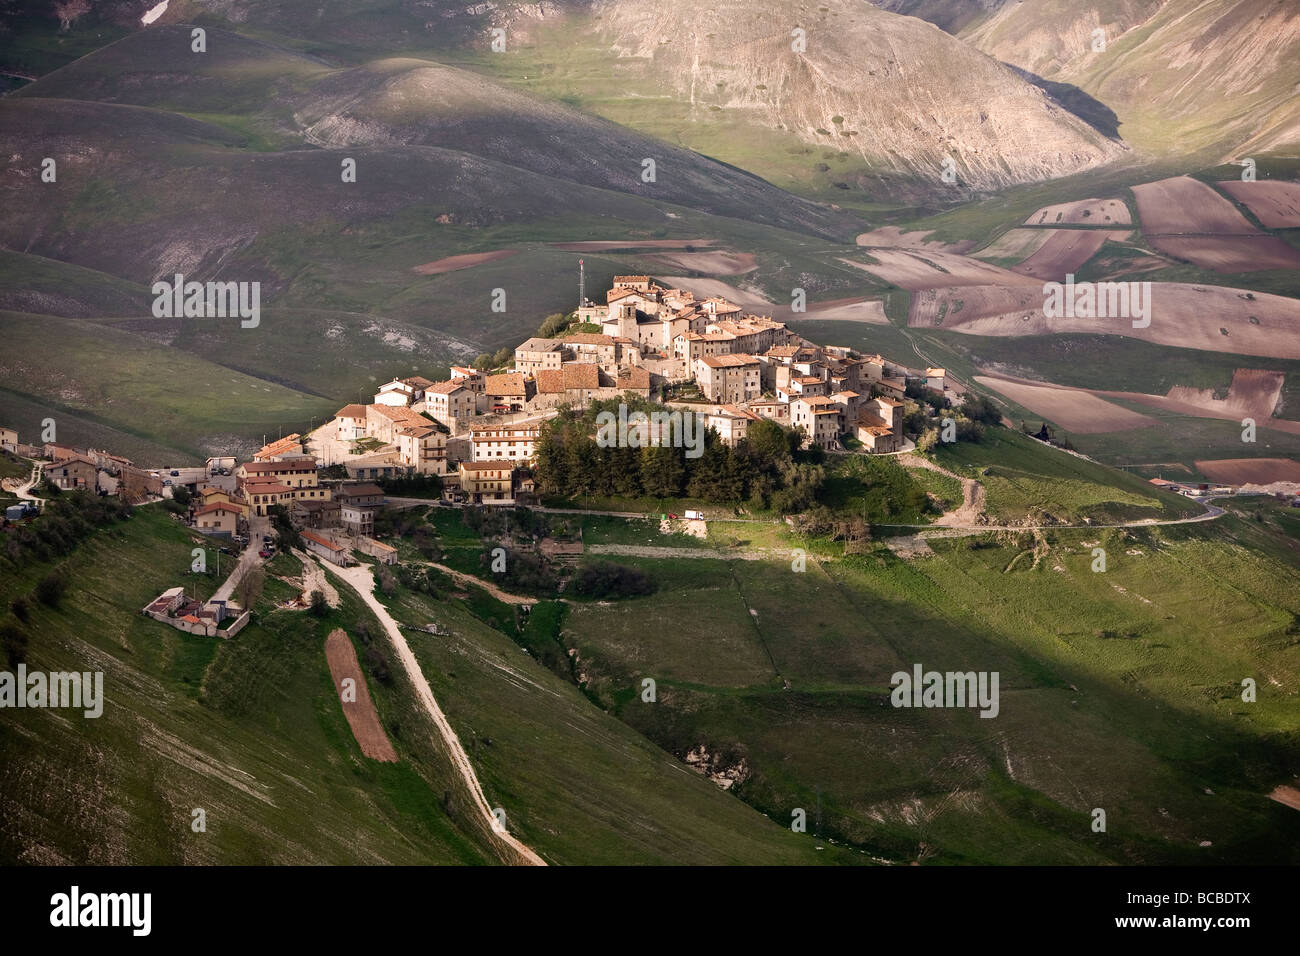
(512, 850)
(972, 493)
(313, 578)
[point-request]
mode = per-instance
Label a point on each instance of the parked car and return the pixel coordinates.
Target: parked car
(672, 516)
(264, 553)
(175, 473)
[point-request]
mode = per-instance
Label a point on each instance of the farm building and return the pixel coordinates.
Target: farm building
(328, 549)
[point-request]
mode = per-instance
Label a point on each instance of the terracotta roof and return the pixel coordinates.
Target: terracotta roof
(634, 377)
(550, 381)
(363, 490)
(587, 338)
(539, 345)
(286, 464)
(217, 506)
(581, 375)
(415, 381)
(739, 412)
(618, 279)
(487, 465)
(511, 383)
(892, 402)
(267, 488)
(417, 431)
(325, 542)
(443, 388)
(277, 447)
(729, 361)
(351, 411)
(613, 294)
(398, 413)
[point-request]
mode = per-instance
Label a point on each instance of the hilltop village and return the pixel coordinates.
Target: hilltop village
(477, 431)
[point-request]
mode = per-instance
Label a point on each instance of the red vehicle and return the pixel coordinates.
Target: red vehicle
(673, 516)
(264, 553)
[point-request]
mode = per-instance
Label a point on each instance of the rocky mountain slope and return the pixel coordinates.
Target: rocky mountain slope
(895, 90)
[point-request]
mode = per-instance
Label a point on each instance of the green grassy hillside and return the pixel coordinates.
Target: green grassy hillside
(249, 729)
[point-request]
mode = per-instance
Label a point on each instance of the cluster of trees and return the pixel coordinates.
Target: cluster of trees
(286, 534)
(373, 656)
(555, 324)
(66, 521)
(501, 357)
(521, 571)
(412, 486)
(429, 581)
(976, 414)
(499, 522)
(767, 469)
(604, 579)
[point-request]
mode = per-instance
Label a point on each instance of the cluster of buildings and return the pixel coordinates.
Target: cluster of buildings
(477, 430)
(90, 469)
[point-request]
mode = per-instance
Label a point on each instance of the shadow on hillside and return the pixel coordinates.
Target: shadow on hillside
(1069, 97)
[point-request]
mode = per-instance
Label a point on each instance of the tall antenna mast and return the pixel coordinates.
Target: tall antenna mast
(582, 284)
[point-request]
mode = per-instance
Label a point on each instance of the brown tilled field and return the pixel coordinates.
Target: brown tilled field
(893, 236)
(1230, 254)
(717, 263)
(1096, 212)
(927, 269)
(1250, 471)
(361, 716)
(466, 261)
(1018, 244)
(1183, 205)
(1184, 218)
(1274, 202)
(1253, 394)
(1065, 251)
(1212, 318)
(847, 310)
(1074, 409)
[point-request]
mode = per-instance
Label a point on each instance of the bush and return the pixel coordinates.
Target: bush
(51, 588)
(20, 609)
(606, 579)
(378, 665)
(319, 606)
(14, 641)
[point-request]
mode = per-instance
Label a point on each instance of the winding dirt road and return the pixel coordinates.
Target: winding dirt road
(511, 850)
